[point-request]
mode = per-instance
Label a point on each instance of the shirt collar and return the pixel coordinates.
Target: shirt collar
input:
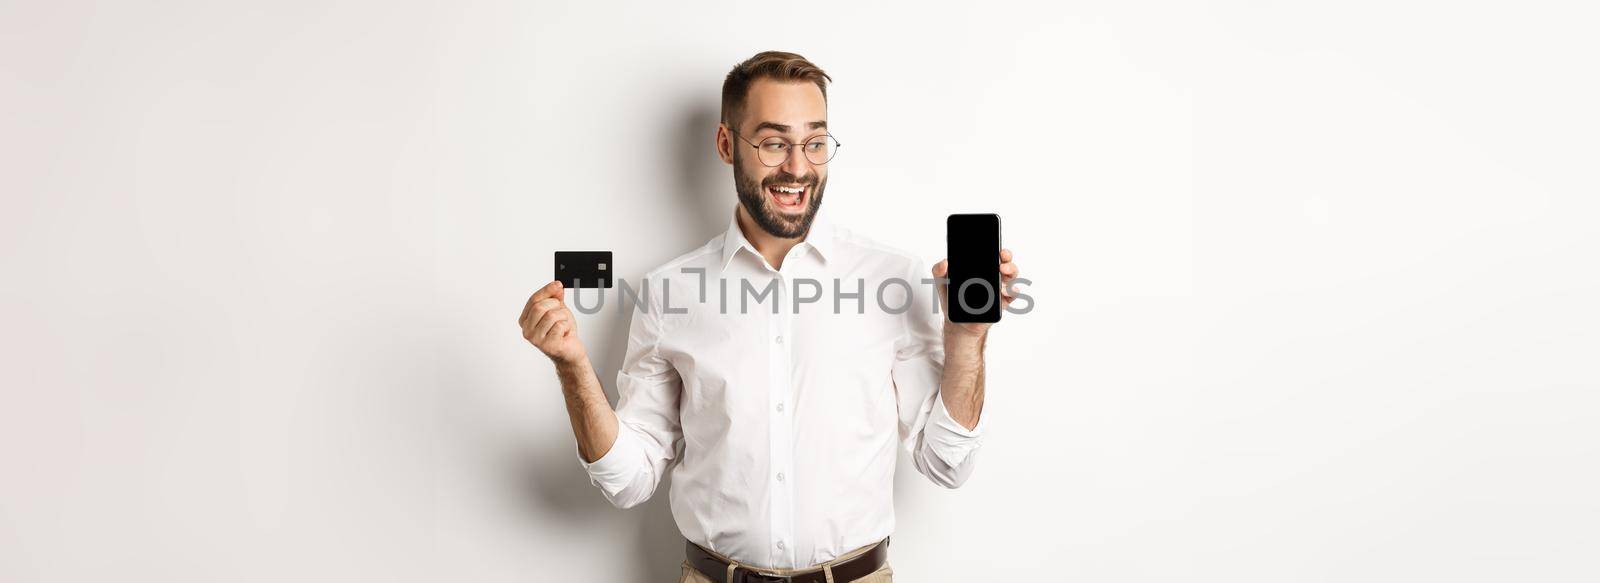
(820, 238)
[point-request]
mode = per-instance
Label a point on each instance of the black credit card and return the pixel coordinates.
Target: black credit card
(973, 243)
(584, 268)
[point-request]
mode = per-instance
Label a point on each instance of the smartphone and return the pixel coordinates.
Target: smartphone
(584, 268)
(973, 250)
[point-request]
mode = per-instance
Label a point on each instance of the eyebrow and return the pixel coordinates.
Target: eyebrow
(767, 125)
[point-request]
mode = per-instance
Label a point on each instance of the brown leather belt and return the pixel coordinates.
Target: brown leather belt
(855, 568)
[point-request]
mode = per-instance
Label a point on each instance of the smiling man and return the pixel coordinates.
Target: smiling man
(779, 423)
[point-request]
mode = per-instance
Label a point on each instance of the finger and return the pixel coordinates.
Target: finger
(522, 320)
(1005, 286)
(550, 319)
(1005, 255)
(550, 290)
(564, 321)
(941, 268)
(540, 308)
(1008, 269)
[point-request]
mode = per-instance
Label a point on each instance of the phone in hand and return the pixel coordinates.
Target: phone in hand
(973, 253)
(590, 269)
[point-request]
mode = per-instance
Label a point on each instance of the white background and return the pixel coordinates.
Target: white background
(1316, 286)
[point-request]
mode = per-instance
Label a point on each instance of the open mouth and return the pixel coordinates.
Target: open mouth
(789, 197)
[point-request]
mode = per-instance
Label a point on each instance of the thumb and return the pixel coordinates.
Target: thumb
(550, 290)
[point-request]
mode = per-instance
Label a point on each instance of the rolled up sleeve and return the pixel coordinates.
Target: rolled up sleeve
(940, 447)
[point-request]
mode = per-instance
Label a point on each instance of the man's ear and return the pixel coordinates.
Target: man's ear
(724, 144)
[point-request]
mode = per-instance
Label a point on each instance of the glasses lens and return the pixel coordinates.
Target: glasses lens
(773, 151)
(820, 150)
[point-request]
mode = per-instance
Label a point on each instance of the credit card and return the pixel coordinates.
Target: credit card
(584, 268)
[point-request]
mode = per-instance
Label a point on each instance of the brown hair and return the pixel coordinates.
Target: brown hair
(777, 65)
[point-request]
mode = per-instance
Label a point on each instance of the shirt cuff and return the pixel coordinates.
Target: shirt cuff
(949, 440)
(616, 469)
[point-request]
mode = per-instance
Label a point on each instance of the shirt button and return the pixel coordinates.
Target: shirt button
(780, 340)
(780, 407)
(780, 545)
(780, 476)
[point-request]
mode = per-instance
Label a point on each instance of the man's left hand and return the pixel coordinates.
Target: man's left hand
(1008, 272)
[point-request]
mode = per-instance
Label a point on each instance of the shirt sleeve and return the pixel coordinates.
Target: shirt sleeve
(940, 447)
(649, 433)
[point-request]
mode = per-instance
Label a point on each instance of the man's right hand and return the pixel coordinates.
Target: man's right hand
(548, 325)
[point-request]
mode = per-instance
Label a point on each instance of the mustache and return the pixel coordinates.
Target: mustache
(810, 179)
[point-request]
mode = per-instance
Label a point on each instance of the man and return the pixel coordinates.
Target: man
(778, 422)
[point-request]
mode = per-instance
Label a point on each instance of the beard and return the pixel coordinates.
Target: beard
(753, 196)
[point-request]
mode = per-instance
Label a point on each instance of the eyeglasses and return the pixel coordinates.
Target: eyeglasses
(775, 151)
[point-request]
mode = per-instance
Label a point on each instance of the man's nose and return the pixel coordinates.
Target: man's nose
(797, 164)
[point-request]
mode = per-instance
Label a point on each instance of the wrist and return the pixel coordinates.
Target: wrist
(964, 346)
(571, 364)
(960, 333)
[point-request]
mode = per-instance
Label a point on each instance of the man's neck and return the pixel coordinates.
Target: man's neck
(771, 247)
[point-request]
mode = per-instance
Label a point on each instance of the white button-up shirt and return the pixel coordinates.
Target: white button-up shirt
(778, 418)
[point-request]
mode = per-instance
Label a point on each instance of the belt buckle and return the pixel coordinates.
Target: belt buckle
(749, 576)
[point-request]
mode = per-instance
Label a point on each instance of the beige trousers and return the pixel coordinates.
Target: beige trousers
(882, 575)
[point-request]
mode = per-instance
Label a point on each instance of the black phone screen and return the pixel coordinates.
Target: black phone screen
(973, 243)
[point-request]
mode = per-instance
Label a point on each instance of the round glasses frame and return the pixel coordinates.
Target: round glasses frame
(788, 148)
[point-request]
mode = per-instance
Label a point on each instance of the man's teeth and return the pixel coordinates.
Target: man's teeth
(787, 195)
